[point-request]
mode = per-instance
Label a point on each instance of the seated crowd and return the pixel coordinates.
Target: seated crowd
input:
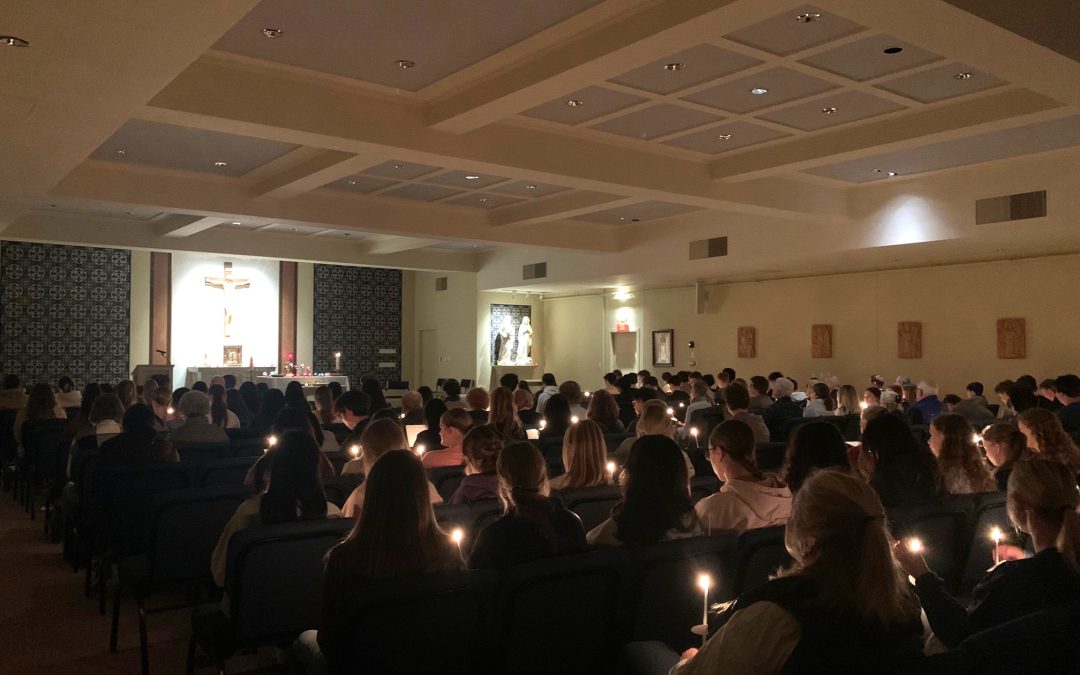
(847, 459)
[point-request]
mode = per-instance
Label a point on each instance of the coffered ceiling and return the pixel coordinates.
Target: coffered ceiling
(425, 134)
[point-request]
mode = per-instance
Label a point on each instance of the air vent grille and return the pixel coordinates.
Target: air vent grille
(534, 271)
(1010, 207)
(708, 248)
(440, 283)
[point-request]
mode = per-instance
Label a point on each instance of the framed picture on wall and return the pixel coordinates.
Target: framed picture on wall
(663, 348)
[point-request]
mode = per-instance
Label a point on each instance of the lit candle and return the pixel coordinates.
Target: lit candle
(694, 433)
(915, 545)
(401, 416)
(574, 419)
(337, 362)
(354, 450)
(420, 449)
(863, 405)
(682, 405)
(170, 411)
(588, 394)
(611, 471)
(704, 581)
(271, 441)
(997, 535)
(543, 423)
(457, 535)
(671, 412)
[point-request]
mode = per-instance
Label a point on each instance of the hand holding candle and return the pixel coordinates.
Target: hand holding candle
(611, 468)
(574, 419)
(704, 582)
(420, 449)
(271, 441)
(354, 450)
(457, 535)
(997, 535)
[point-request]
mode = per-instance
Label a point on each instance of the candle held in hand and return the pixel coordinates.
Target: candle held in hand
(704, 582)
(354, 450)
(420, 449)
(611, 468)
(915, 545)
(574, 419)
(457, 535)
(997, 535)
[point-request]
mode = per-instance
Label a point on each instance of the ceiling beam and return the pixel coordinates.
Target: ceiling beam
(175, 229)
(398, 245)
(557, 207)
(303, 176)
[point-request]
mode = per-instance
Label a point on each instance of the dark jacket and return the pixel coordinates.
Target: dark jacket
(133, 447)
(905, 481)
(1011, 590)
(925, 410)
(1070, 418)
(476, 488)
(777, 415)
(536, 528)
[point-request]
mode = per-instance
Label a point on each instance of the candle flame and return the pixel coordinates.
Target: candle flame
(996, 534)
(611, 468)
(671, 411)
(863, 405)
(457, 534)
(704, 582)
(693, 431)
(355, 450)
(420, 449)
(915, 545)
(574, 419)
(271, 441)
(976, 439)
(543, 423)
(170, 411)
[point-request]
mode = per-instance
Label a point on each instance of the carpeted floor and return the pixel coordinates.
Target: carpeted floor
(48, 626)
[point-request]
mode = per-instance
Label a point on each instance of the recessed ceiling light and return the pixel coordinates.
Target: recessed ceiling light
(121, 151)
(272, 32)
(483, 200)
(476, 245)
(808, 17)
(633, 220)
(346, 234)
(892, 50)
(724, 137)
(236, 222)
(829, 110)
(399, 166)
(962, 76)
(573, 103)
(12, 41)
(292, 229)
(758, 91)
(879, 170)
(405, 64)
(674, 66)
(221, 164)
(621, 218)
(530, 186)
(352, 181)
(472, 177)
(892, 173)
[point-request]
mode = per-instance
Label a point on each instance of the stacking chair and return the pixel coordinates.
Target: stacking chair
(252, 446)
(770, 456)
(942, 525)
(760, 554)
(446, 479)
(193, 453)
(593, 505)
(469, 517)
(613, 441)
(184, 527)
(273, 587)
(41, 469)
(990, 512)
(551, 449)
(228, 472)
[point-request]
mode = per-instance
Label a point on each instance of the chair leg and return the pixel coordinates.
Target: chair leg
(102, 584)
(115, 619)
(144, 646)
(190, 666)
(89, 573)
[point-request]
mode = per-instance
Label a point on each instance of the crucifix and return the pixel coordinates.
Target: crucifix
(228, 285)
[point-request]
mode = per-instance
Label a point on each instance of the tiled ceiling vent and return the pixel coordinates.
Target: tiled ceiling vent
(708, 248)
(1010, 207)
(534, 271)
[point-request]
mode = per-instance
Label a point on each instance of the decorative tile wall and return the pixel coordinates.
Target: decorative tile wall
(64, 310)
(357, 311)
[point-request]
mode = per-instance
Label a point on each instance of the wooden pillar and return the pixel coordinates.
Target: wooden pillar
(287, 281)
(160, 307)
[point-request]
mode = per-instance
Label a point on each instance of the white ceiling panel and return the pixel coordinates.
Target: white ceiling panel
(831, 111)
(685, 69)
(788, 33)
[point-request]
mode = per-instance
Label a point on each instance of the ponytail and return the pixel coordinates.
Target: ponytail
(1049, 489)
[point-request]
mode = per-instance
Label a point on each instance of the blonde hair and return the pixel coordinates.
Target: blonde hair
(960, 455)
(1049, 489)
(583, 455)
(379, 438)
(522, 473)
(847, 400)
(655, 420)
(1053, 443)
(838, 536)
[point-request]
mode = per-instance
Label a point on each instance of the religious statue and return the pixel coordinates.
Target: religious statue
(524, 341)
(504, 341)
(228, 286)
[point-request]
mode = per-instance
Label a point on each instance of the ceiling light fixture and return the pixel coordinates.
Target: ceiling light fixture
(399, 166)
(352, 182)
(758, 91)
(891, 174)
(530, 186)
(272, 32)
(829, 110)
(220, 164)
(292, 229)
(724, 137)
(405, 64)
(472, 177)
(674, 66)
(236, 222)
(121, 151)
(483, 200)
(573, 103)
(12, 41)
(962, 76)
(808, 17)
(892, 50)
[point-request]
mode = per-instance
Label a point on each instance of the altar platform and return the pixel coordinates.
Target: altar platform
(206, 373)
(309, 382)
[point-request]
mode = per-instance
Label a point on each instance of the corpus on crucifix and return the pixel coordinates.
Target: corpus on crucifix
(228, 285)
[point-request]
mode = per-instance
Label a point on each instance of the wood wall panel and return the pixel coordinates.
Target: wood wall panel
(160, 307)
(287, 312)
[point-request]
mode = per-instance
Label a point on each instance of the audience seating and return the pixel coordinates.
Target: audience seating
(592, 505)
(42, 466)
(184, 527)
(613, 441)
(770, 456)
(446, 479)
(273, 586)
(703, 484)
(228, 472)
(248, 447)
(760, 554)
(8, 446)
(338, 489)
(943, 525)
(469, 517)
(191, 453)
(989, 512)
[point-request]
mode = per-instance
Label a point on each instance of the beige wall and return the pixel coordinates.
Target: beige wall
(958, 306)
(139, 336)
(577, 339)
(452, 313)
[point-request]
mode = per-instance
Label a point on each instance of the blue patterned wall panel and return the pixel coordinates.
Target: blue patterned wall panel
(357, 312)
(65, 309)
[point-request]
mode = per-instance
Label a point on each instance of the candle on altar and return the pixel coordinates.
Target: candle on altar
(997, 535)
(337, 362)
(704, 581)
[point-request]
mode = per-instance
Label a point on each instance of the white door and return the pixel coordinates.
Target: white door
(429, 358)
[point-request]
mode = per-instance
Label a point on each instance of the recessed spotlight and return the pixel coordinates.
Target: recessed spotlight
(530, 186)
(472, 177)
(292, 229)
(808, 17)
(962, 76)
(220, 164)
(272, 32)
(674, 66)
(621, 219)
(399, 166)
(12, 41)
(758, 91)
(892, 173)
(879, 170)
(121, 151)
(352, 182)
(892, 50)
(476, 245)
(829, 110)
(405, 64)
(724, 137)
(573, 103)
(346, 234)
(236, 222)
(483, 200)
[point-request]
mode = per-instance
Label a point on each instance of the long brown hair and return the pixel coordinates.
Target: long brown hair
(1011, 440)
(1053, 442)
(604, 410)
(125, 391)
(838, 536)
(502, 416)
(397, 534)
(959, 453)
(41, 403)
(583, 455)
(1049, 489)
(324, 404)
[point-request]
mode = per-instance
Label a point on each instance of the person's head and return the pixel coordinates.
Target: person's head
(731, 451)
(759, 386)
(230, 381)
(324, 401)
(294, 395)
(1046, 436)
(813, 446)
(699, 391)
(502, 407)
(774, 376)
(481, 447)
(584, 455)
(139, 418)
(509, 380)
(640, 396)
(41, 403)
(1042, 497)
(1068, 388)
(837, 534)
(572, 391)
(1002, 388)
(370, 386)
(925, 388)
(557, 412)
(656, 493)
(847, 399)
(889, 440)
(125, 391)
(819, 391)
(90, 391)
(425, 393)
(453, 425)
(877, 381)
(1004, 444)
(294, 483)
(250, 392)
(524, 386)
(548, 379)
(218, 406)
(106, 407)
(379, 438)
(477, 399)
(950, 400)
(709, 380)
(952, 442)
(177, 394)
(194, 404)
(236, 404)
(890, 400)
(411, 402)
(610, 379)
(292, 419)
(871, 412)
(433, 412)
(871, 396)
(522, 473)
(736, 398)
(911, 393)
(1048, 389)
(1021, 398)
(603, 408)
(12, 381)
(65, 384)
(159, 402)
(655, 420)
(523, 400)
(353, 407)
(1028, 382)
(973, 389)
(626, 383)
(452, 389)
(200, 386)
(782, 387)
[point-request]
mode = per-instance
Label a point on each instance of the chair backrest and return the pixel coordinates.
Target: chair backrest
(446, 479)
(240, 433)
(469, 517)
(192, 453)
(990, 512)
(612, 441)
(790, 425)
(559, 615)
(126, 494)
(228, 472)
(7, 433)
(338, 489)
(551, 448)
(592, 505)
(770, 456)
(761, 553)
(247, 447)
(273, 577)
(665, 600)
(45, 446)
(72, 412)
(184, 528)
(942, 525)
(449, 611)
(703, 484)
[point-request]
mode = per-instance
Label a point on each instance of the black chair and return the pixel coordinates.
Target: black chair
(704, 484)
(990, 512)
(770, 456)
(551, 449)
(559, 615)
(942, 525)
(448, 610)
(761, 553)
(273, 584)
(471, 518)
(613, 441)
(338, 489)
(592, 505)
(240, 433)
(253, 446)
(446, 479)
(192, 453)
(665, 601)
(8, 444)
(228, 472)
(184, 529)
(647, 658)
(41, 470)
(72, 412)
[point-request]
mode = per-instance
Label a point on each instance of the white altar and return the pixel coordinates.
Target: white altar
(206, 373)
(309, 382)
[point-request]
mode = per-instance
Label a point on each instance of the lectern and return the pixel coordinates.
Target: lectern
(144, 372)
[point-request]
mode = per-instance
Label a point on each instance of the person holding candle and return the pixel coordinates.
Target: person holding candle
(842, 606)
(961, 469)
(379, 437)
(902, 470)
(813, 446)
(1005, 445)
(453, 425)
(481, 447)
(584, 453)
(1046, 436)
(605, 412)
(737, 404)
(1042, 501)
(534, 525)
